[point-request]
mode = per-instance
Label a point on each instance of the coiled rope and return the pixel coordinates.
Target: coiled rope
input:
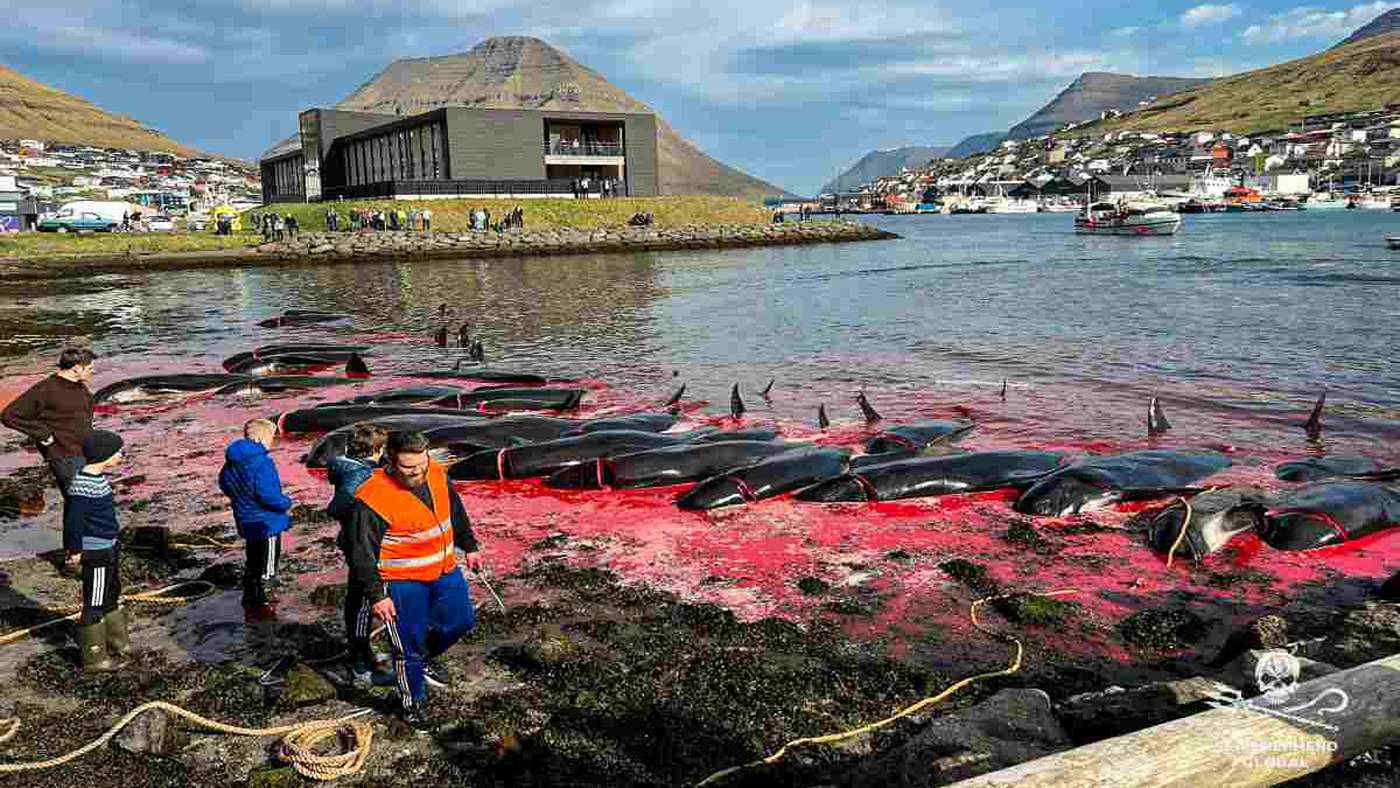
(298, 746)
(157, 597)
(911, 709)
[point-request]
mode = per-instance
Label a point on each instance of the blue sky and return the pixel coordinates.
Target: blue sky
(792, 92)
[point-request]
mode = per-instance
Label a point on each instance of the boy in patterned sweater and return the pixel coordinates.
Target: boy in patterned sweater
(90, 527)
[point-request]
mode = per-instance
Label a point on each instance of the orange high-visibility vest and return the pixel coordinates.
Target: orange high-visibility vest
(418, 545)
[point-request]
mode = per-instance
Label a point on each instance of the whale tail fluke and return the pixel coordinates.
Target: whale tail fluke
(676, 398)
(1314, 423)
(736, 403)
(871, 415)
(822, 421)
(768, 389)
(1156, 419)
(356, 366)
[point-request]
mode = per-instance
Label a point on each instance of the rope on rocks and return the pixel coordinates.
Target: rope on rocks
(157, 597)
(298, 747)
(911, 709)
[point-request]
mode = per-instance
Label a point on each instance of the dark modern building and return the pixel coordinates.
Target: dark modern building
(461, 151)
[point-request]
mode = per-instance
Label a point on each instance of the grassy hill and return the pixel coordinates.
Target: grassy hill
(31, 110)
(1359, 76)
(517, 72)
(1092, 93)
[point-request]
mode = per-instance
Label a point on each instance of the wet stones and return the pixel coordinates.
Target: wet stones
(153, 732)
(970, 574)
(21, 497)
(1011, 727)
(1114, 711)
(275, 777)
(224, 575)
(329, 595)
(1365, 634)
(1390, 589)
(1035, 609)
(812, 586)
(1162, 629)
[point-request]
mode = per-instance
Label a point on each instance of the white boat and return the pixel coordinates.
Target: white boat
(1393, 241)
(1059, 207)
(1129, 218)
(1009, 205)
(1369, 203)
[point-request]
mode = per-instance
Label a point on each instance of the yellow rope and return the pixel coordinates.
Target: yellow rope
(1185, 523)
(297, 748)
(906, 711)
(156, 597)
(179, 538)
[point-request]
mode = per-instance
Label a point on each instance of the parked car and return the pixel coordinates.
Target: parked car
(78, 222)
(161, 224)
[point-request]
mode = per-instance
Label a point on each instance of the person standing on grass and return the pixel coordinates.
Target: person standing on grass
(405, 531)
(56, 414)
(260, 509)
(427, 220)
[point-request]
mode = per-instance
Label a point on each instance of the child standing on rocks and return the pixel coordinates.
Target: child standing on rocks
(90, 526)
(347, 474)
(249, 479)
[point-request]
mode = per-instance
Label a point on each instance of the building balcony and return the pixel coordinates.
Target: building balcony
(583, 153)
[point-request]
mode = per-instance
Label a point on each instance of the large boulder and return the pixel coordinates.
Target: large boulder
(153, 732)
(1115, 711)
(1011, 727)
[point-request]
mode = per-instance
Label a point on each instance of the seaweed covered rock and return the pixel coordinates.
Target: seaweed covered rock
(1012, 726)
(153, 732)
(1163, 629)
(305, 687)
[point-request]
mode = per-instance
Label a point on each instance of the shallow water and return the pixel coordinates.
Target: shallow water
(1236, 322)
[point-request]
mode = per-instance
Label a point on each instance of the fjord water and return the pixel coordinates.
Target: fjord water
(1236, 322)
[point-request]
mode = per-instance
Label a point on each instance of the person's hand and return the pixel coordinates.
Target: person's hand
(473, 560)
(384, 610)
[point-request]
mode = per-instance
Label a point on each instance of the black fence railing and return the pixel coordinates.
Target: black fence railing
(564, 148)
(269, 199)
(465, 188)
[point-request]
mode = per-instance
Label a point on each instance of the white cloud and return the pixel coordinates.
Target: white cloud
(1125, 32)
(1209, 14)
(1315, 22)
(77, 38)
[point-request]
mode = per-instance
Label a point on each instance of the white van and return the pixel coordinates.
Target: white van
(107, 209)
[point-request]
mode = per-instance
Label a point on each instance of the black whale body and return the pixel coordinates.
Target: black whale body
(665, 465)
(1100, 481)
(546, 457)
(916, 477)
(1328, 513)
(782, 473)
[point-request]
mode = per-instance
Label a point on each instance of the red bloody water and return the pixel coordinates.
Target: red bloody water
(751, 558)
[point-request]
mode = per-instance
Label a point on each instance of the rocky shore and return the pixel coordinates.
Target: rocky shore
(343, 247)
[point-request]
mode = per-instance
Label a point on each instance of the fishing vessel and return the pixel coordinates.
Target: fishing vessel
(1129, 218)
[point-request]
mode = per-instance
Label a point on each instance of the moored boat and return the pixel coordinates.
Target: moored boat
(1129, 218)
(1393, 241)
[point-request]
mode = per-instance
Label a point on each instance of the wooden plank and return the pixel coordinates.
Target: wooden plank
(1233, 746)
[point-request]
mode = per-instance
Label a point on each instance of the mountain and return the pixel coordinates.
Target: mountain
(1091, 94)
(879, 163)
(32, 110)
(517, 72)
(977, 143)
(1358, 76)
(1389, 22)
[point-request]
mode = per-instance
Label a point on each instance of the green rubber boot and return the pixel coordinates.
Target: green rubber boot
(92, 646)
(118, 640)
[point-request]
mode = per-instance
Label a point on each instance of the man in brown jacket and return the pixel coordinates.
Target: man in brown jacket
(56, 413)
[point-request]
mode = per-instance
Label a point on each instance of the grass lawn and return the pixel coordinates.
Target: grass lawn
(28, 246)
(548, 214)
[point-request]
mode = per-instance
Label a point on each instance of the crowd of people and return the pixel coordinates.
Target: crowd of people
(603, 187)
(274, 226)
(404, 534)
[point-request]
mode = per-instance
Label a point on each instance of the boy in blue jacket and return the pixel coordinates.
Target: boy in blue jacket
(346, 474)
(90, 528)
(249, 479)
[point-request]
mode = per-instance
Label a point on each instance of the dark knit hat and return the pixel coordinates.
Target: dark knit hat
(100, 446)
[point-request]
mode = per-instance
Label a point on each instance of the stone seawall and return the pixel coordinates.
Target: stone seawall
(362, 245)
(315, 248)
